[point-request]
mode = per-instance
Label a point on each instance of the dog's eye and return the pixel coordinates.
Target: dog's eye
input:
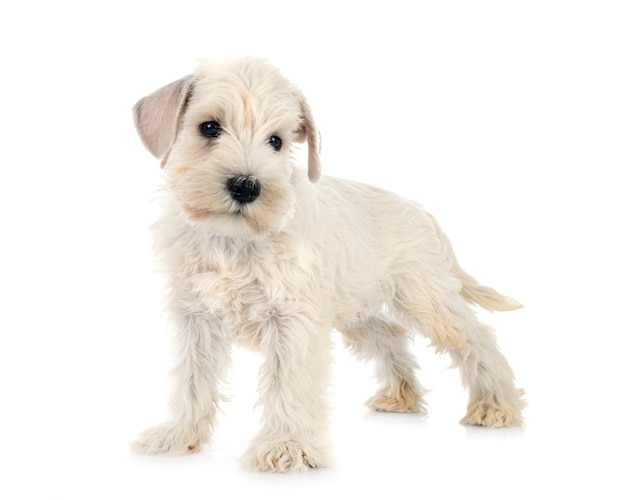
(276, 142)
(210, 129)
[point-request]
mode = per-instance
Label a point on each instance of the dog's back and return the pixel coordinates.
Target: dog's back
(383, 233)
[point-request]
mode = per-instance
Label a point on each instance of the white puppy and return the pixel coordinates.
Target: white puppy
(259, 254)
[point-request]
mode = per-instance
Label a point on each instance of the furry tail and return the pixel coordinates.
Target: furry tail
(471, 290)
(484, 296)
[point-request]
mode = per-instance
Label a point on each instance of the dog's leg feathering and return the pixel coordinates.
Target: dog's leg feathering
(387, 344)
(203, 357)
(292, 384)
(445, 318)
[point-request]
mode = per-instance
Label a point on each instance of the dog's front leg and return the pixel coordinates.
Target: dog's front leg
(203, 355)
(292, 383)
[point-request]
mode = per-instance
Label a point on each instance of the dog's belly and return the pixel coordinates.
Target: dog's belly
(353, 308)
(248, 309)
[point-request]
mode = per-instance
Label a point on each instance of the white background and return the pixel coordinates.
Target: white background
(506, 120)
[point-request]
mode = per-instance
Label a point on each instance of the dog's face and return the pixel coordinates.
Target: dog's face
(225, 135)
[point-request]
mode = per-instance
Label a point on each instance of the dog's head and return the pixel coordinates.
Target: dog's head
(224, 135)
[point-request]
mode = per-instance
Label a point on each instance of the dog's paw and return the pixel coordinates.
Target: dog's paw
(399, 400)
(489, 414)
(283, 456)
(167, 439)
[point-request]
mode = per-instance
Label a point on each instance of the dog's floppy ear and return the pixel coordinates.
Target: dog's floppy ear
(308, 132)
(158, 116)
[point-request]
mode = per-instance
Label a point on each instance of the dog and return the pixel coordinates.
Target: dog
(265, 254)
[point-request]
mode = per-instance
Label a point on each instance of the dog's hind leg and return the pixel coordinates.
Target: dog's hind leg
(440, 313)
(202, 359)
(387, 344)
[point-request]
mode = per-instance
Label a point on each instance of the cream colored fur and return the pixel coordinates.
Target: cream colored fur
(279, 273)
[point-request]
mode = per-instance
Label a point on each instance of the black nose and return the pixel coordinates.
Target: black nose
(243, 189)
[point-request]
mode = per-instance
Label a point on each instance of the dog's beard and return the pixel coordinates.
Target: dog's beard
(219, 213)
(201, 190)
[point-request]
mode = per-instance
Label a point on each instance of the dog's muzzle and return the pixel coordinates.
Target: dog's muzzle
(243, 189)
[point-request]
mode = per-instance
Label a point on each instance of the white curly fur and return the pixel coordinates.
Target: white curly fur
(277, 274)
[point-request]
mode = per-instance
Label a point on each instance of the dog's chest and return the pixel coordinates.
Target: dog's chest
(247, 288)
